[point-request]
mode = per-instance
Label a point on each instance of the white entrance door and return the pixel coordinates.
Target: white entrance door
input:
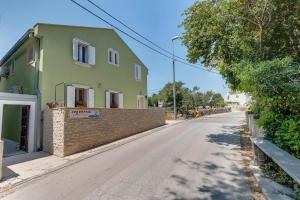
(140, 101)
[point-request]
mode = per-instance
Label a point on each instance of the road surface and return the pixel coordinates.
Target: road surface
(192, 160)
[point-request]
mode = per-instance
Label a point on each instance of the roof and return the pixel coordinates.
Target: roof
(16, 46)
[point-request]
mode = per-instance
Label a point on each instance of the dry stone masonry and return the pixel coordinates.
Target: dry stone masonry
(65, 134)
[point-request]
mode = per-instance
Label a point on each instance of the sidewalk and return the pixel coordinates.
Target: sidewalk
(23, 168)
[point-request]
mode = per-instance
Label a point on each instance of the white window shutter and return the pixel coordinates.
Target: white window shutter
(92, 55)
(70, 97)
(121, 100)
(91, 98)
(136, 72)
(75, 49)
(107, 99)
(139, 72)
(116, 56)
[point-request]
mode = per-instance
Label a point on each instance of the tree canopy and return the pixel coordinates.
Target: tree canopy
(186, 99)
(221, 33)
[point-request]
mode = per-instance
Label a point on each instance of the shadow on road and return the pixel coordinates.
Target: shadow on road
(230, 135)
(212, 180)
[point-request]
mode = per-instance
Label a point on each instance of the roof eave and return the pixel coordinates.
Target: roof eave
(16, 46)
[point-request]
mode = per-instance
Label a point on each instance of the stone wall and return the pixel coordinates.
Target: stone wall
(65, 135)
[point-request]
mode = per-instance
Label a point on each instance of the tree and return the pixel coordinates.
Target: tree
(186, 99)
(153, 100)
(255, 46)
(166, 94)
(222, 33)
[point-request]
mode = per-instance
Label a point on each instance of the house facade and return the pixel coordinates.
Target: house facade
(68, 66)
(236, 99)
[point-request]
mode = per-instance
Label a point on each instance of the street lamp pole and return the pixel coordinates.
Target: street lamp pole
(174, 82)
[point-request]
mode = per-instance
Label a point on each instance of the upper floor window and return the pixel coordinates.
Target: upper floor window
(12, 69)
(113, 57)
(83, 52)
(30, 54)
(138, 72)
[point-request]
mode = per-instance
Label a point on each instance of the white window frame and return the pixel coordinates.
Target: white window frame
(116, 58)
(108, 99)
(12, 68)
(110, 51)
(71, 95)
(90, 60)
(115, 54)
(30, 60)
(137, 72)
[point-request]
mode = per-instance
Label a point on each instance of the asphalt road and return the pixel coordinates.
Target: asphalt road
(193, 160)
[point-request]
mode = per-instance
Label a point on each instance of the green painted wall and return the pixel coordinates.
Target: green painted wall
(24, 77)
(57, 64)
(24, 74)
(12, 116)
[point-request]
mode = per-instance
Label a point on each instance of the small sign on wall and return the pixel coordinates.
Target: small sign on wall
(83, 113)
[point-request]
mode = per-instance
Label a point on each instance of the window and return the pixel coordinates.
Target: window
(113, 57)
(116, 57)
(110, 56)
(30, 54)
(113, 99)
(80, 97)
(83, 52)
(12, 69)
(138, 72)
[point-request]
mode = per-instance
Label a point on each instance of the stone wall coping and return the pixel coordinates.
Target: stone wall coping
(289, 163)
(65, 108)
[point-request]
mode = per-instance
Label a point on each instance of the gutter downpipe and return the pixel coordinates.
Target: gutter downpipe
(38, 129)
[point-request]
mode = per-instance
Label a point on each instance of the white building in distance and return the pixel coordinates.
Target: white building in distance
(237, 99)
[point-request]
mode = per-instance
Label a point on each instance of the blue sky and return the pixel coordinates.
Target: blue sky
(157, 20)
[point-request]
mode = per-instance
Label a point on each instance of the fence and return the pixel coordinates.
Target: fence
(264, 148)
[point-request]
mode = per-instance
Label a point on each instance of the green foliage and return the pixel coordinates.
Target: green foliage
(153, 100)
(288, 136)
(255, 46)
(223, 33)
(273, 171)
(186, 99)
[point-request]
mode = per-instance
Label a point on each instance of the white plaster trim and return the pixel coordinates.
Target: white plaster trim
(81, 86)
(31, 119)
(17, 97)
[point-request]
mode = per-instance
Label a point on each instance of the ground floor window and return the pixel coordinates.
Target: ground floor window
(114, 99)
(80, 97)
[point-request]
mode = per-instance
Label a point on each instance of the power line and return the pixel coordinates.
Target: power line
(137, 40)
(131, 29)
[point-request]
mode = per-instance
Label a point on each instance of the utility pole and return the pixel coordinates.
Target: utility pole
(174, 81)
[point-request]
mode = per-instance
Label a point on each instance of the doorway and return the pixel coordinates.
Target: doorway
(140, 102)
(114, 99)
(24, 128)
(15, 129)
(18, 123)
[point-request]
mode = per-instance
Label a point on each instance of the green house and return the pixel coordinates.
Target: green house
(66, 66)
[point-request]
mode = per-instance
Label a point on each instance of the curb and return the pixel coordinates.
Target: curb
(270, 189)
(91, 153)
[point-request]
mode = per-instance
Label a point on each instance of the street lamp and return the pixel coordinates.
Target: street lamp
(174, 88)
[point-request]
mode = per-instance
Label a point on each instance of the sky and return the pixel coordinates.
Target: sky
(157, 20)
